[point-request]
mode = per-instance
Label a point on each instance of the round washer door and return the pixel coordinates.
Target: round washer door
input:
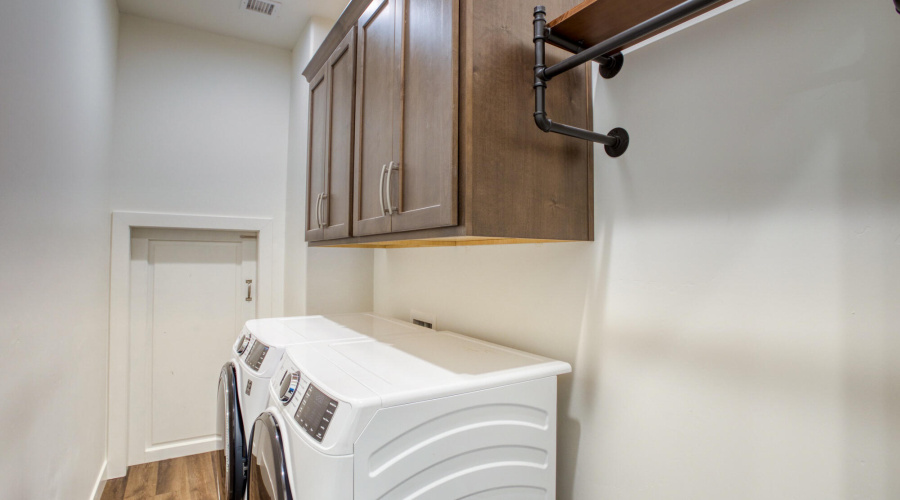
(267, 478)
(232, 458)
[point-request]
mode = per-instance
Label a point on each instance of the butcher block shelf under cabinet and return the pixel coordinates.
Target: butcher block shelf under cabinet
(595, 21)
(443, 148)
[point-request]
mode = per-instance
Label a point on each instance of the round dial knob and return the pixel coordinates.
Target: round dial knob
(289, 385)
(242, 345)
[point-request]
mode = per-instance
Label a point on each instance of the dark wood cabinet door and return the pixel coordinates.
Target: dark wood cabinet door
(317, 155)
(340, 81)
(377, 95)
(424, 188)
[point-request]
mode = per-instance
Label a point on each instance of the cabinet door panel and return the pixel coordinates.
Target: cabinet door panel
(341, 75)
(425, 186)
(376, 92)
(316, 162)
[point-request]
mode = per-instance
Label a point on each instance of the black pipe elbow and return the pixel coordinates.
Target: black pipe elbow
(543, 123)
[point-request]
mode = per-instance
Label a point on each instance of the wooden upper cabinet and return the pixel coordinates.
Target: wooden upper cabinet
(423, 187)
(377, 95)
(406, 103)
(445, 149)
(331, 141)
(317, 151)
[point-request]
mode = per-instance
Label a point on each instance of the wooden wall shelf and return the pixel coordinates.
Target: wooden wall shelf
(594, 21)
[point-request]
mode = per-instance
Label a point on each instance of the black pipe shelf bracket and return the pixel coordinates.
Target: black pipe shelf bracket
(607, 53)
(617, 141)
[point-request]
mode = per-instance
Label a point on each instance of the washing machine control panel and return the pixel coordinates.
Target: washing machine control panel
(315, 412)
(257, 355)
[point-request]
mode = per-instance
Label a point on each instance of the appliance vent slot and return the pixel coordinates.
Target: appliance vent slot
(266, 7)
(423, 323)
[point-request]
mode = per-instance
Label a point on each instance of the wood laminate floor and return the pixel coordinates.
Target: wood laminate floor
(184, 478)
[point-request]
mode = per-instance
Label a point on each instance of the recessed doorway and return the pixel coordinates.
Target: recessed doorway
(178, 297)
(191, 292)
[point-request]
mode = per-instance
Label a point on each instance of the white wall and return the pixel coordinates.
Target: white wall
(317, 280)
(57, 61)
(735, 327)
(201, 127)
(295, 246)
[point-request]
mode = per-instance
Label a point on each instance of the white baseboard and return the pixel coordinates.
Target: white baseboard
(100, 483)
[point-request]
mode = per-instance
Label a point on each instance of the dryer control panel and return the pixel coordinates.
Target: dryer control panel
(315, 412)
(257, 355)
(308, 408)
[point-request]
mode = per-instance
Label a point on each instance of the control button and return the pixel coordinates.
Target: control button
(289, 388)
(242, 345)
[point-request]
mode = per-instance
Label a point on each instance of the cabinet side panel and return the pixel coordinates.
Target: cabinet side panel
(465, 114)
(526, 183)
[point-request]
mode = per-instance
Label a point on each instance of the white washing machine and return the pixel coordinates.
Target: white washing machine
(438, 416)
(244, 380)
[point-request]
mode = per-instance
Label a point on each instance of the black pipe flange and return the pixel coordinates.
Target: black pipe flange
(614, 65)
(617, 149)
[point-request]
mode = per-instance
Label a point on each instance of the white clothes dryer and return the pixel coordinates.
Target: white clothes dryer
(244, 380)
(441, 416)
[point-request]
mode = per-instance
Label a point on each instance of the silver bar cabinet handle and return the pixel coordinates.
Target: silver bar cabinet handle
(381, 188)
(318, 201)
(324, 209)
(391, 168)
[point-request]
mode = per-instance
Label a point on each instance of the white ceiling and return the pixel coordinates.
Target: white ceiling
(226, 17)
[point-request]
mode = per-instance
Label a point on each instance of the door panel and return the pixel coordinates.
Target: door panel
(194, 307)
(377, 91)
(189, 301)
(342, 78)
(318, 144)
(425, 186)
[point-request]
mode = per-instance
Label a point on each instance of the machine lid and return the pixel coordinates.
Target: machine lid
(415, 368)
(273, 331)
(281, 332)
(375, 326)
(267, 476)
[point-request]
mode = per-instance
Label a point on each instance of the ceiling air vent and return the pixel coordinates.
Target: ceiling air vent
(266, 7)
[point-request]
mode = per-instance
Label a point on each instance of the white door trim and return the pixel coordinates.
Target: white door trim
(119, 306)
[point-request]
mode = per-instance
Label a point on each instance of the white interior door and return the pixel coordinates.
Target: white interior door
(191, 292)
